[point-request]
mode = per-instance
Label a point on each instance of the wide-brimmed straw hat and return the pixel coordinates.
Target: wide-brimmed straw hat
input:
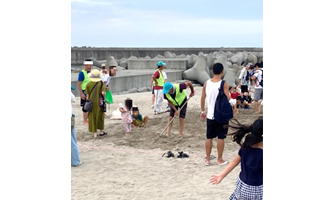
(95, 75)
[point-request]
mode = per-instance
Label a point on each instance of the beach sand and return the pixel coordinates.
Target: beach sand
(132, 167)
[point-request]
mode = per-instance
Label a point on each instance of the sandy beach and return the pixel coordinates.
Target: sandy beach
(132, 167)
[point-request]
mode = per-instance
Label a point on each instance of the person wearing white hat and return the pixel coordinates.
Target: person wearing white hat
(95, 92)
(83, 79)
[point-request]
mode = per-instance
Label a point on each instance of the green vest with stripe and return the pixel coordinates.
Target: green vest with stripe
(180, 97)
(85, 81)
(160, 80)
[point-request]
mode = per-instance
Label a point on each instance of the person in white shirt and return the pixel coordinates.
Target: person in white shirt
(257, 78)
(243, 79)
(210, 91)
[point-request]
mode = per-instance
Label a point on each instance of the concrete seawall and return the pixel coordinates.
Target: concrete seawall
(78, 54)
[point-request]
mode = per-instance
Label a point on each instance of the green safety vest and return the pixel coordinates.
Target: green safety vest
(180, 97)
(85, 81)
(160, 80)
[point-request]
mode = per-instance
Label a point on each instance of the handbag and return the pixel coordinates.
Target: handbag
(89, 102)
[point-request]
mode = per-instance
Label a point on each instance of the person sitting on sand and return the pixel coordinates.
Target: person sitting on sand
(126, 116)
(138, 120)
(249, 184)
(246, 101)
(233, 98)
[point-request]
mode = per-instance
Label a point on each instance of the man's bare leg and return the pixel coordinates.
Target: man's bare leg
(169, 127)
(85, 115)
(220, 147)
(181, 126)
(256, 107)
(208, 147)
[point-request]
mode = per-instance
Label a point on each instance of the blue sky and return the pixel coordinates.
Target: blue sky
(173, 23)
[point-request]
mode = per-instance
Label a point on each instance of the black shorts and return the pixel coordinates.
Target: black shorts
(215, 129)
(182, 113)
(244, 88)
(82, 102)
(153, 90)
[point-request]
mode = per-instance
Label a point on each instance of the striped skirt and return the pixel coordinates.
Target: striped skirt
(246, 192)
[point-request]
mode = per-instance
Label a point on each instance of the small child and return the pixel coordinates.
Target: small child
(126, 115)
(249, 184)
(246, 100)
(233, 100)
(138, 120)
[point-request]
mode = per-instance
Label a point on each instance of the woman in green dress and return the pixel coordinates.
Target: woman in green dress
(95, 91)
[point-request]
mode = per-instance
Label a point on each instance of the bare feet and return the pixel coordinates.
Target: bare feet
(95, 135)
(86, 123)
(127, 134)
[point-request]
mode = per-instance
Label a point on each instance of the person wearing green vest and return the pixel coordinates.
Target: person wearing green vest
(158, 78)
(176, 96)
(83, 79)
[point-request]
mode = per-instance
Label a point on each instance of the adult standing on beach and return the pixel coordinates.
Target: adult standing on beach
(210, 91)
(75, 158)
(83, 79)
(243, 79)
(96, 115)
(258, 77)
(158, 78)
(176, 96)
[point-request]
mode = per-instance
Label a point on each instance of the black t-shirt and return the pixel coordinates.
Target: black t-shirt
(251, 166)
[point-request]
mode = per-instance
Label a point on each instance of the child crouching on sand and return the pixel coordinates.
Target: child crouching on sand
(126, 115)
(138, 120)
(249, 183)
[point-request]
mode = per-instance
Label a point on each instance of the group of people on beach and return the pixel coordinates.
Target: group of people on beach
(249, 137)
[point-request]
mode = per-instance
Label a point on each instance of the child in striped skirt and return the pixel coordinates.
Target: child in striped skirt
(250, 181)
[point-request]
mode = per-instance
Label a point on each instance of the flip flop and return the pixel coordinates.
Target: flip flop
(224, 163)
(211, 157)
(206, 163)
(104, 133)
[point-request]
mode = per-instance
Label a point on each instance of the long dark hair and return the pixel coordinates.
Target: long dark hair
(253, 132)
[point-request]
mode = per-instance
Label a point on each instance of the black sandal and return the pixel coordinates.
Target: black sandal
(104, 133)
(169, 154)
(182, 155)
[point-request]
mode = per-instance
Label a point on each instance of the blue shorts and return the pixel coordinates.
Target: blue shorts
(215, 129)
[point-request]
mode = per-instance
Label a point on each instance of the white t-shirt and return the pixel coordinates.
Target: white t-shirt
(242, 76)
(212, 91)
(73, 99)
(258, 78)
(164, 75)
(105, 77)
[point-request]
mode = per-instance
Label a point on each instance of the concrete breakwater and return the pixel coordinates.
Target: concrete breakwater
(78, 54)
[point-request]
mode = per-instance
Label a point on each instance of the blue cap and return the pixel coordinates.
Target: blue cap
(160, 63)
(167, 87)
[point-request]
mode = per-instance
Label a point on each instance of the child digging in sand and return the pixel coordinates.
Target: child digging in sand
(249, 184)
(138, 120)
(126, 116)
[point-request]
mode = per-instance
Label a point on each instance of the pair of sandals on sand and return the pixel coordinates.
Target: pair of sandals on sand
(181, 154)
